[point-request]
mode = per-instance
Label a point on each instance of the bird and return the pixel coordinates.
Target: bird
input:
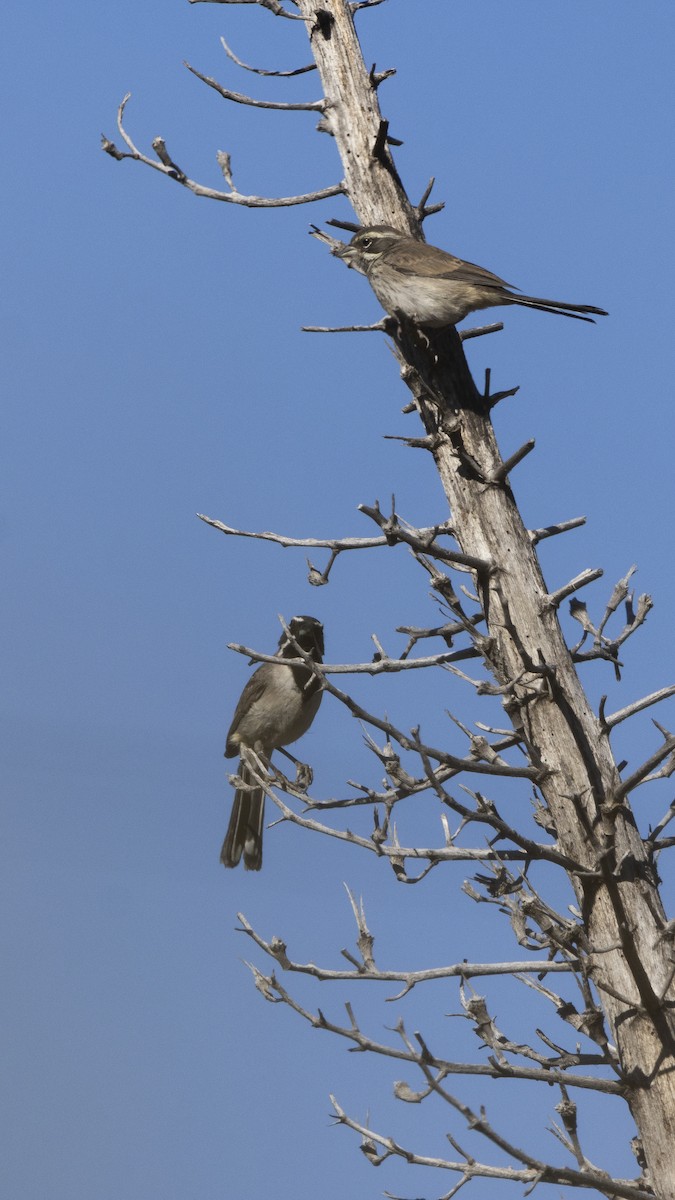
(276, 707)
(432, 288)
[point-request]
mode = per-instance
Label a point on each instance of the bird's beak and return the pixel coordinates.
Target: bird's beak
(350, 255)
(345, 250)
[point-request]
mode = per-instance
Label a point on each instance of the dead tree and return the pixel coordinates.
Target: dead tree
(505, 632)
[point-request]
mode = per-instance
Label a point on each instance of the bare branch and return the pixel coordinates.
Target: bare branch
(623, 714)
(636, 619)
(405, 785)
(464, 970)
(357, 5)
(407, 742)
(466, 334)
(538, 535)
(539, 1172)
(110, 148)
(662, 824)
(424, 210)
(490, 1035)
(396, 854)
(169, 169)
(273, 6)
(586, 577)
(480, 1124)
(643, 773)
(379, 327)
(159, 147)
(504, 470)
(240, 98)
(339, 545)
(259, 70)
(568, 1112)
(619, 594)
(393, 530)
(381, 666)
(274, 991)
(446, 631)
(378, 77)
(334, 244)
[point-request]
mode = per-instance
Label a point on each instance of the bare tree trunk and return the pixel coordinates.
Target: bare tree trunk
(629, 942)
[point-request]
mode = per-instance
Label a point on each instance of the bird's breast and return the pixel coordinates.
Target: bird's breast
(281, 714)
(431, 302)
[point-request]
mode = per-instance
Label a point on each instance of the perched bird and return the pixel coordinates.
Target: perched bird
(276, 707)
(432, 288)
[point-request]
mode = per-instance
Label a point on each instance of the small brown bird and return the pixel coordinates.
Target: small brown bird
(432, 288)
(276, 707)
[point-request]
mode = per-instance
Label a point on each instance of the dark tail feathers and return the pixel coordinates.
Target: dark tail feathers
(245, 831)
(562, 309)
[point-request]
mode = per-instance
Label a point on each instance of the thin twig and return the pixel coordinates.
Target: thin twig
(379, 327)
(240, 98)
(273, 6)
(259, 70)
(622, 714)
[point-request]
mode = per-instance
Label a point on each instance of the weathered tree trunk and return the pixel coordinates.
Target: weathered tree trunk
(629, 949)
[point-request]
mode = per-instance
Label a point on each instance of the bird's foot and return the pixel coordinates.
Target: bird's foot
(304, 776)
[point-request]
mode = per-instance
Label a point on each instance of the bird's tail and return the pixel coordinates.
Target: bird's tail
(245, 831)
(559, 307)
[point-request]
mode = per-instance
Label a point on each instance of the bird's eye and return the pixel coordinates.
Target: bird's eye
(367, 243)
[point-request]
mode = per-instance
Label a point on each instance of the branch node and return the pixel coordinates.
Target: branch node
(378, 77)
(159, 147)
(538, 535)
(503, 471)
(553, 599)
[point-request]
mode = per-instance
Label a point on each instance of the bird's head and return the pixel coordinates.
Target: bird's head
(308, 633)
(369, 244)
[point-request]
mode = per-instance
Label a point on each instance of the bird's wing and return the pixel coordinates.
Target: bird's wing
(431, 262)
(250, 695)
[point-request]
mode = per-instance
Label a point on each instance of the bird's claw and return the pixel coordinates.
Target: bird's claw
(304, 776)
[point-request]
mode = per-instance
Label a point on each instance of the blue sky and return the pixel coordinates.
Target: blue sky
(154, 368)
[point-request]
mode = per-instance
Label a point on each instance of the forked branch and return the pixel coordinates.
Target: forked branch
(166, 166)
